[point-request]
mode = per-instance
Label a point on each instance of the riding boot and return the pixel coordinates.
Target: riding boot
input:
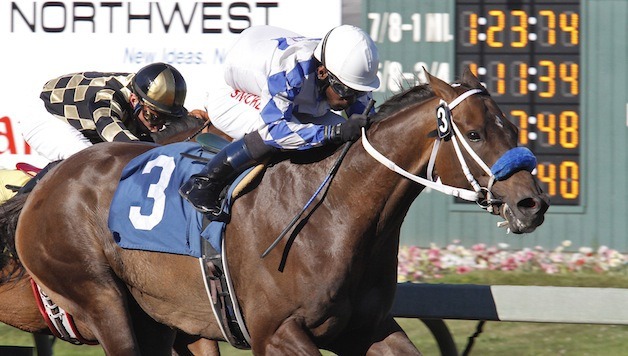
(203, 189)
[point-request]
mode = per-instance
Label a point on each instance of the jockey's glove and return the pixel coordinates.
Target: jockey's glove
(349, 130)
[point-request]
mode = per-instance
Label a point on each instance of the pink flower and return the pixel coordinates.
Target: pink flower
(463, 269)
(417, 264)
(478, 247)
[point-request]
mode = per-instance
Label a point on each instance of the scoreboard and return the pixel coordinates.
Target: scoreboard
(558, 70)
(527, 53)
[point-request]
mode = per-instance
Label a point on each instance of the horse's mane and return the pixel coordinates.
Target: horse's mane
(413, 95)
(403, 99)
(9, 213)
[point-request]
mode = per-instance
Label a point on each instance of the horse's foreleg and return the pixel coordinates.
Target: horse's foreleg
(392, 341)
(289, 339)
(154, 338)
(185, 345)
(102, 316)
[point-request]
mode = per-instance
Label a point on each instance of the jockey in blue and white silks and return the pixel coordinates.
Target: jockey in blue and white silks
(278, 68)
(280, 93)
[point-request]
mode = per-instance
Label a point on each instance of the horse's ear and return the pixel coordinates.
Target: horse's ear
(470, 80)
(440, 88)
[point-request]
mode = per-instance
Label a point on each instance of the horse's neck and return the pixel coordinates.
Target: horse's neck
(404, 140)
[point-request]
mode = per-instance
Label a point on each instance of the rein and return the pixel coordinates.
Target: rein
(206, 124)
(512, 161)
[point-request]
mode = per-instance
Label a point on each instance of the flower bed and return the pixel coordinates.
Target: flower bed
(419, 264)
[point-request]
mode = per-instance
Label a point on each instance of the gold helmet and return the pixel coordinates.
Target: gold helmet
(163, 88)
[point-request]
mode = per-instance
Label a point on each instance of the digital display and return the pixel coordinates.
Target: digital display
(527, 54)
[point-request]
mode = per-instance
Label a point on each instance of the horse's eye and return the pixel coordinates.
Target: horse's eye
(474, 136)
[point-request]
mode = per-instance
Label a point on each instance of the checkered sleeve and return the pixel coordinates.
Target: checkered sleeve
(107, 114)
(93, 103)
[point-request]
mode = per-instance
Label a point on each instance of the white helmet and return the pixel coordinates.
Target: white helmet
(350, 55)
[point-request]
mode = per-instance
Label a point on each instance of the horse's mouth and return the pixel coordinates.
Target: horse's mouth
(518, 225)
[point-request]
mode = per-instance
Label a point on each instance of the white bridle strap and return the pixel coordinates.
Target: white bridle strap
(443, 188)
(463, 96)
(470, 150)
(449, 190)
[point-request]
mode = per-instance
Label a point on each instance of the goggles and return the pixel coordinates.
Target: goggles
(341, 89)
(155, 119)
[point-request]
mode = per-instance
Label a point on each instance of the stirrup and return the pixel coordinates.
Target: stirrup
(217, 215)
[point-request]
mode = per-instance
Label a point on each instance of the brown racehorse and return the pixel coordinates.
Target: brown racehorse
(329, 285)
(18, 307)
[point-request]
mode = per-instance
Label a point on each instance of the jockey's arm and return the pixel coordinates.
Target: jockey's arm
(282, 131)
(107, 113)
(199, 114)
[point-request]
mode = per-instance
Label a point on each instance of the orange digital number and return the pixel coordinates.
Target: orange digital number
(522, 117)
(501, 78)
(566, 183)
(521, 28)
(568, 125)
(522, 79)
(472, 28)
(569, 180)
(569, 23)
(497, 79)
(569, 74)
(546, 173)
(549, 79)
(473, 67)
(495, 29)
(546, 122)
(550, 28)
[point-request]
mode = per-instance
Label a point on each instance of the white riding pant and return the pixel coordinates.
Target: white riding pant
(237, 113)
(51, 137)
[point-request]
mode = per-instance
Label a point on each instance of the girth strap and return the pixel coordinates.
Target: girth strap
(224, 304)
(58, 320)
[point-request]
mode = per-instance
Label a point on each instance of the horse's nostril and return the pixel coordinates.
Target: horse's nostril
(533, 205)
(528, 204)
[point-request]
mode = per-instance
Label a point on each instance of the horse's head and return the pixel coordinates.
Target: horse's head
(500, 171)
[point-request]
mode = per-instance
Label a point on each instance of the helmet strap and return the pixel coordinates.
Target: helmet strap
(137, 108)
(323, 46)
(321, 84)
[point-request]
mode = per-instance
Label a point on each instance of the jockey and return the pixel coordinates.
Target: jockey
(280, 93)
(105, 107)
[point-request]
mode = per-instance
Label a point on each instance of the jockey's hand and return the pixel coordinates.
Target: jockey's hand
(350, 130)
(199, 114)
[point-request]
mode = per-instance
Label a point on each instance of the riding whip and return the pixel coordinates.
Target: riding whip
(206, 124)
(330, 175)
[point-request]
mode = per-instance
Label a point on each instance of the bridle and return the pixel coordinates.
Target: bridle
(514, 160)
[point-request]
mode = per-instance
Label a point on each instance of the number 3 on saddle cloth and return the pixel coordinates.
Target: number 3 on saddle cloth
(147, 213)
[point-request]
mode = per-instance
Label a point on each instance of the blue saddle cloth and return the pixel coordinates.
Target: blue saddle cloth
(147, 212)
